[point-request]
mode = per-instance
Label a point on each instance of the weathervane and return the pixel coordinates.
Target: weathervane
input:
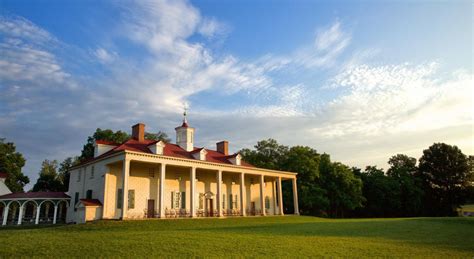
(185, 108)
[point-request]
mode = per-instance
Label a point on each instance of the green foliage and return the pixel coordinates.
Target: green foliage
(116, 137)
(381, 193)
(324, 188)
(444, 171)
(64, 173)
(252, 237)
(343, 187)
(267, 154)
(403, 169)
(11, 163)
(160, 135)
(48, 178)
(107, 135)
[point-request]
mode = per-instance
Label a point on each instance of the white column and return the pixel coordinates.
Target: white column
(38, 209)
(5, 215)
(280, 196)
(193, 189)
(295, 198)
(55, 213)
(20, 214)
(262, 199)
(274, 197)
(125, 175)
(242, 194)
(162, 190)
(105, 201)
(219, 193)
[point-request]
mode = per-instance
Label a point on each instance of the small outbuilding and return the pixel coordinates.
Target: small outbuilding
(88, 210)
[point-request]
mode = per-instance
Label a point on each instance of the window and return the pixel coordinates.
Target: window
(231, 205)
(131, 199)
(234, 204)
(267, 202)
(119, 198)
(175, 200)
(89, 194)
(79, 175)
(201, 201)
(76, 200)
(223, 201)
(183, 200)
(92, 172)
(151, 172)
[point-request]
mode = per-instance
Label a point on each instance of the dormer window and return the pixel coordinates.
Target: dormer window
(157, 148)
(200, 154)
(236, 159)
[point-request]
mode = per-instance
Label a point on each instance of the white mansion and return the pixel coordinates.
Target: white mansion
(145, 179)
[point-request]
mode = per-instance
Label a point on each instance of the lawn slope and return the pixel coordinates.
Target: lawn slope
(289, 236)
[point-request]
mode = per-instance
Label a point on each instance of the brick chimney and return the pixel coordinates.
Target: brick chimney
(138, 132)
(223, 147)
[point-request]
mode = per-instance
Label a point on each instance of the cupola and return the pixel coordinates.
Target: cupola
(185, 135)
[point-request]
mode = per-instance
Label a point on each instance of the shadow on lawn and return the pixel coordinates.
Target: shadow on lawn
(444, 232)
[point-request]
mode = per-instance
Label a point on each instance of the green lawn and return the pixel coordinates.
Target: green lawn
(289, 236)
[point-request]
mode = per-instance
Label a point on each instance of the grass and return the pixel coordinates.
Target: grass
(289, 236)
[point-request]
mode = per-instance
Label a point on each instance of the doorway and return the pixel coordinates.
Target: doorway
(151, 209)
(210, 207)
(252, 208)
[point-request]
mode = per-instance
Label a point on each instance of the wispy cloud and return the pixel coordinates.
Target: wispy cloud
(373, 110)
(104, 56)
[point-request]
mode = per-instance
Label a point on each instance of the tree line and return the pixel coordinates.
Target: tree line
(434, 185)
(437, 185)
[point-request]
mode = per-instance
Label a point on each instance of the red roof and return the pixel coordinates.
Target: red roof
(91, 202)
(172, 150)
(3, 175)
(105, 142)
(35, 195)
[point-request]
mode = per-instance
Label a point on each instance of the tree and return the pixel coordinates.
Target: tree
(403, 170)
(343, 188)
(160, 135)
(267, 154)
(11, 163)
(107, 135)
(64, 173)
(48, 180)
(305, 161)
(444, 170)
(381, 192)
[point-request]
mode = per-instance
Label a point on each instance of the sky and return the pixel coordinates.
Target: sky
(361, 81)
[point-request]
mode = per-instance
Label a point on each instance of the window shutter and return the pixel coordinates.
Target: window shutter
(183, 200)
(230, 202)
(223, 201)
(119, 198)
(131, 199)
(172, 200)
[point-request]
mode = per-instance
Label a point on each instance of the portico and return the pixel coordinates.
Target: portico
(143, 178)
(161, 187)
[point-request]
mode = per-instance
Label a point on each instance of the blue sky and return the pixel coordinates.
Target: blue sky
(359, 80)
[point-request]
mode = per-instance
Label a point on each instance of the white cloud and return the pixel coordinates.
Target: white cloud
(377, 111)
(105, 56)
(18, 27)
(397, 98)
(210, 28)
